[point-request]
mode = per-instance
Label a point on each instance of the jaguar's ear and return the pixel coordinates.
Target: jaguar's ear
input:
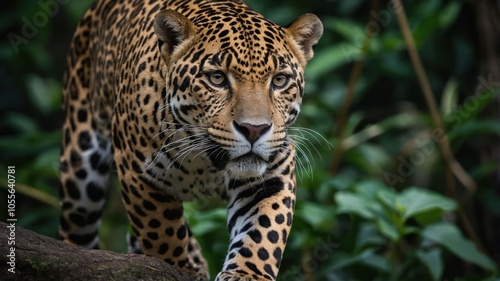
(173, 29)
(306, 31)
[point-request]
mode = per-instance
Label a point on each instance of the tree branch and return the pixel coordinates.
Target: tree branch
(448, 156)
(38, 257)
(342, 116)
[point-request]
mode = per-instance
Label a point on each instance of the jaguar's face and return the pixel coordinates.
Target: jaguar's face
(238, 87)
(246, 111)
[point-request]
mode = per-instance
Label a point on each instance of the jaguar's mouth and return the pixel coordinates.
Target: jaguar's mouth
(249, 165)
(249, 157)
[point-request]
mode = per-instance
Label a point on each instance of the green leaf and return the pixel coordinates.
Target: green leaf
(388, 198)
(329, 59)
(450, 97)
(39, 93)
(369, 157)
(473, 128)
(450, 237)
(432, 260)
(425, 28)
(317, 215)
(367, 257)
(391, 42)
(21, 123)
(416, 201)
(388, 230)
(205, 227)
(29, 144)
(355, 204)
(206, 222)
(353, 122)
(484, 170)
(352, 31)
(470, 108)
(48, 161)
(403, 120)
(344, 260)
(340, 182)
(370, 188)
(368, 236)
(449, 14)
(370, 258)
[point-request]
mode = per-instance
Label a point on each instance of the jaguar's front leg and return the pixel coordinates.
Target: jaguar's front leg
(259, 221)
(158, 221)
(161, 229)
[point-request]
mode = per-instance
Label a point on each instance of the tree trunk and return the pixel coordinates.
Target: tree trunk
(42, 258)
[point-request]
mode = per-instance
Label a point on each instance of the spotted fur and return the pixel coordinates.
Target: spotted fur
(189, 99)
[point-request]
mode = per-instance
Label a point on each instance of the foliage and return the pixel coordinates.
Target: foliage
(406, 229)
(386, 213)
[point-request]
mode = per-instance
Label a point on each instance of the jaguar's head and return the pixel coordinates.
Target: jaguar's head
(236, 81)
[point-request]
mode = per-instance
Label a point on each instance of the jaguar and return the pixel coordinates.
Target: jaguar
(184, 100)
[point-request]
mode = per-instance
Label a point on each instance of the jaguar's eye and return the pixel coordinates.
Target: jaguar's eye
(217, 78)
(279, 81)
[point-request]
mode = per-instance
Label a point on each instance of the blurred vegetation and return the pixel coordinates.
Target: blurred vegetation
(390, 210)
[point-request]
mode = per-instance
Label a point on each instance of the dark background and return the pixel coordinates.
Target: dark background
(386, 208)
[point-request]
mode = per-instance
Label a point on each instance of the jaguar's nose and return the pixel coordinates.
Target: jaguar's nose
(251, 132)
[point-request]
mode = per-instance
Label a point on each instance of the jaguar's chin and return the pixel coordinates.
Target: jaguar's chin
(247, 166)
